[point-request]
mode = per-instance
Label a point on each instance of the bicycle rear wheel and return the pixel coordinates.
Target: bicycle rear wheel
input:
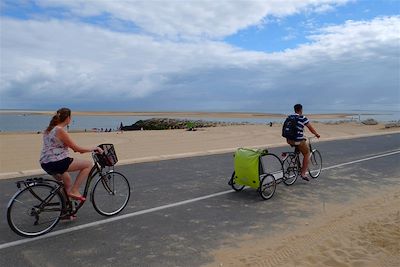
(315, 164)
(111, 193)
(290, 169)
(35, 210)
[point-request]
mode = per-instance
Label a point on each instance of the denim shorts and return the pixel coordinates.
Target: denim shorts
(57, 167)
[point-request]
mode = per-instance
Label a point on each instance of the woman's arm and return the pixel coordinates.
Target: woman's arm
(67, 140)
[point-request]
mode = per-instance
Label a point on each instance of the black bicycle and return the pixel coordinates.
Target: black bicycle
(39, 204)
(292, 164)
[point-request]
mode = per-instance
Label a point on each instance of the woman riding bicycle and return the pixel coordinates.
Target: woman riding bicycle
(55, 159)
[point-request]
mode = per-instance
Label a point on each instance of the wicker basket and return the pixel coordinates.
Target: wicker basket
(109, 157)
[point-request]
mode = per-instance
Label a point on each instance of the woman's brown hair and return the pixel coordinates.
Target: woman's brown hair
(61, 115)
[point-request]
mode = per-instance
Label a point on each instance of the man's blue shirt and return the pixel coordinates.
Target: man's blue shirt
(301, 121)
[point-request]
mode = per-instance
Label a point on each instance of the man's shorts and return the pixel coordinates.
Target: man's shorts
(302, 145)
(57, 167)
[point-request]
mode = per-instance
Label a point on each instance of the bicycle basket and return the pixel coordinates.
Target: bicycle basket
(108, 158)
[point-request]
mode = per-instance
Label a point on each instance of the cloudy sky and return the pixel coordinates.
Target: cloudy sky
(200, 55)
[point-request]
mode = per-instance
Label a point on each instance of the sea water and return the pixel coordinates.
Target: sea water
(30, 122)
(26, 122)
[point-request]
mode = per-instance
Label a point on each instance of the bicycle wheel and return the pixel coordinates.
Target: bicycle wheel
(35, 210)
(111, 193)
(235, 186)
(291, 169)
(267, 186)
(315, 164)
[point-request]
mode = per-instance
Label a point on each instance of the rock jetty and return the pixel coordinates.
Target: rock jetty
(369, 122)
(166, 124)
(393, 124)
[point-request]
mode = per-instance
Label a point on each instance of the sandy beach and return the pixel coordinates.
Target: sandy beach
(21, 150)
(364, 233)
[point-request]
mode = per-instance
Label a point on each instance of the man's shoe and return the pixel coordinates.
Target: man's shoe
(305, 178)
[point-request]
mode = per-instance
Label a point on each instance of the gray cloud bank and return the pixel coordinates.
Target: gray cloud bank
(49, 63)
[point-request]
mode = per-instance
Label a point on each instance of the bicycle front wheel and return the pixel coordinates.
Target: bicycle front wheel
(315, 164)
(35, 210)
(111, 193)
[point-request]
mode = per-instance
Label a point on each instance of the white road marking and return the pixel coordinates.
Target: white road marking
(141, 212)
(361, 160)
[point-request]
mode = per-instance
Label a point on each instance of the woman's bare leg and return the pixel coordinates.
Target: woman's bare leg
(66, 178)
(83, 166)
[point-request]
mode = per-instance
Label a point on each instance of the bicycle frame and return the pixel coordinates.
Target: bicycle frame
(28, 183)
(295, 164)
(96, 169)
(46, 201)
(69, 204)
(297, 151)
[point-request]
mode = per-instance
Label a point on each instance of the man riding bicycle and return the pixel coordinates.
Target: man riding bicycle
(293, 131)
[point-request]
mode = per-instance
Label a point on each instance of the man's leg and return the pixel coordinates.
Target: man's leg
(303, 147)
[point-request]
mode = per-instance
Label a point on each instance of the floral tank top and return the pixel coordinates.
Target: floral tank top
(53, 148)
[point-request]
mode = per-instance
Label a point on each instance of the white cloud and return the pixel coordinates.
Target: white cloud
(192, 19)
(46, 62)
(79, 59)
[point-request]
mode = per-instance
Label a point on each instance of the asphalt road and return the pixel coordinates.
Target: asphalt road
(181, 210)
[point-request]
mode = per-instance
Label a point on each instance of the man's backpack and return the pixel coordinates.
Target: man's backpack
(289, 128)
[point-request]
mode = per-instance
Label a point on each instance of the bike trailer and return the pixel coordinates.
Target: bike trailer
(247, 167)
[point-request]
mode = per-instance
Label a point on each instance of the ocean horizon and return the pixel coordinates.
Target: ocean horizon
(13, 120)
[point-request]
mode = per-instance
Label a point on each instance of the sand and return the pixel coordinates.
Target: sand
(364, 233)
(20, 151)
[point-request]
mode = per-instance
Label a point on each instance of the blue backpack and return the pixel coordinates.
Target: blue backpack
(289, 128)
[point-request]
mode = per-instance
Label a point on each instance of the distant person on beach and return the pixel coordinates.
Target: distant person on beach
(295, 136)
(55, 159)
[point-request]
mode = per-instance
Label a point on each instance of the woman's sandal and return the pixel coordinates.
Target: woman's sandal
(80, 198)
(68, 217)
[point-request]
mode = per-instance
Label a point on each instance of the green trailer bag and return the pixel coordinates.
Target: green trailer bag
(247, 167)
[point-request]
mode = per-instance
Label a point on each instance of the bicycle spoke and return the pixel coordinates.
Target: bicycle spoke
(315, 165)
(291, 170)
(111, 194)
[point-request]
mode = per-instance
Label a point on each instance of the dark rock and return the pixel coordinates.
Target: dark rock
(165, 124)
(393, 124)
(369, 122)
